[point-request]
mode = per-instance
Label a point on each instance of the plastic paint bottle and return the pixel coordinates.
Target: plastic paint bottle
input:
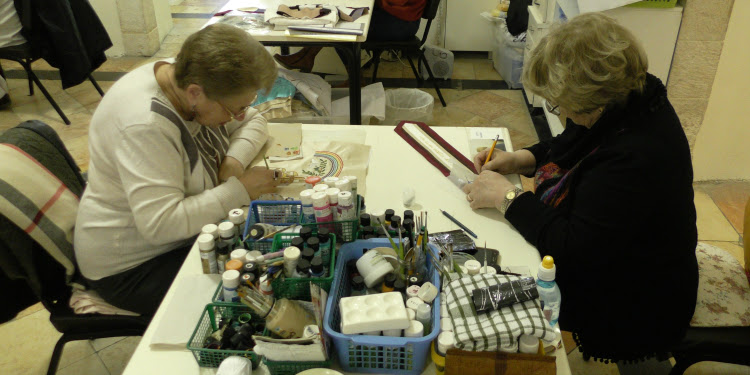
(333, 201)
(308, 213)
(306, 233)
(473, 267)
(343, 185)
(311, 181)
(238, 254)
(324, 241)
(358, 286)
(377, 217)
(260, 230)
(321, 188)
(388, 215)
(308, 254)
(298, 242)
(230, 282)
(303, 268)
(528, 344)
(211, 229)
(353, 182)
(364, 220)
(322, 208)
(235, 265)
(316, 267)
(388, 282)
(423, 316)
(228, 234)
(314, 244)
(237, 217)
(291, 258)
(408, 214)
(247, 279)
(415, 329)
(396, 223)
(439, 347)
(265, 285)
(208, 253)
(222, 256)
(251, 268)
(331, 181)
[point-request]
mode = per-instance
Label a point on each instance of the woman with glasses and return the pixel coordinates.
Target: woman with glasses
(613, 196)
(169, 146)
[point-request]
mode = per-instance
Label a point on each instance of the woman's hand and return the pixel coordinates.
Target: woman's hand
(502, 162)
(230, 167)
(488, 190)
(258, 180)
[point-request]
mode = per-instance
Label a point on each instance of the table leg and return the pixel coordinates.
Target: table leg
(355, 91)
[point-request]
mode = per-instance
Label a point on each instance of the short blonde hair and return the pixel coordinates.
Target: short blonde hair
(225, 61)
(586, 63)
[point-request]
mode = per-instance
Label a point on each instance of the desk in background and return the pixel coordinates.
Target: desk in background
(388, 173)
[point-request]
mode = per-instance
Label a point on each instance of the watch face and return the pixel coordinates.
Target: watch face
(510, 195)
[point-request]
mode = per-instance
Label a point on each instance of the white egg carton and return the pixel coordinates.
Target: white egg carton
(373, 312)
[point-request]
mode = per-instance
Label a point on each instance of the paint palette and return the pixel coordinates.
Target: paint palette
(374, 312)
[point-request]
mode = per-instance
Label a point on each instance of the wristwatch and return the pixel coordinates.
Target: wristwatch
(510, 196)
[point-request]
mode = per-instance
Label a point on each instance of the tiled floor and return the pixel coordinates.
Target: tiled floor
(28, 340)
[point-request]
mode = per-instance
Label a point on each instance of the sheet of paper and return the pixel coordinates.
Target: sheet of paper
(481, 138)
(285, 142)
(373, 102)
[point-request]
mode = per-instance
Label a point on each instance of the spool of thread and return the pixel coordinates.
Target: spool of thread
(427, 292)
(472, 267)
(239, 254)
(343, 185)
(331, 181)
(211, 229)
(207, 248)
(291, 257)
(321, 188)
(373, 267)
(377, 217)
(528, 344)
(234, 265)
(412, 291)
(237, 217)
(446, 340)
(333, 201)
(307, 205)
(353, 182)
(322, 208)
(311, 181)
(416, 329)
(230, 281)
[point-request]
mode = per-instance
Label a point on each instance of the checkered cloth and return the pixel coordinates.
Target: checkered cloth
(494, 330)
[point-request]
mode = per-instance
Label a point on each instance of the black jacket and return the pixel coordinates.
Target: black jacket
(67, 34)
(624, 237)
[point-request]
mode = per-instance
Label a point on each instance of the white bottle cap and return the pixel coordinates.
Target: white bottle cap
(416, 329)
(306, 196)
(291, 253)
(547, 269)
(414, 302)
(211, 229)
(412, 291)
(237, 216)
(231, 278)
(345, 198)
(392, 332)
(378, 217)
(250, 258)
(352, 180)
(528, 344)
(423, 312)
(255, 253)
(445, 341)
(239, 254)
(205, 241)
(411, 313)
(330, 181)
(446, 325)
(320, 199)
(333, 195)
(226, 229)
(444, 311)
(319, 188)
(473, 267)
(343, 185)
(427, 292)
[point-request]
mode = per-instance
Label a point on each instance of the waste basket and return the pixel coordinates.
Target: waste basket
(407, 105)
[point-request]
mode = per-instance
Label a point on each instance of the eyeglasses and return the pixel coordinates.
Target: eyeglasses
(553, 110)
(237, 116)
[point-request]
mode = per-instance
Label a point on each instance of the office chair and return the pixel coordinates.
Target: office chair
(24, 55)
(409, 48)
(48, 271)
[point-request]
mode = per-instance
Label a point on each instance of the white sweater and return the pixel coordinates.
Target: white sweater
(149, 189)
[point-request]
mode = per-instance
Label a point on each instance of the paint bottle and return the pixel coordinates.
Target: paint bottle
(230, 281)
(395, 223)
(208, 253)
(373, 268)
(234, 265)
(298, 242)
(408, 226)
(388, 282)
(331, 181)
(325, 245)
(291, 258)
(308, 254)
(528, 344)
(473, 267)
(323, 212)
(399, 286)
(388, 215)
(251, 268)
(392, 332)
(353, 182)
(228, 234)
(415, 329)
(237, 217)
(343, 185)
(306, 233)
(423, 316)
(377, 217)
(408, 214)
(316, 267)
(438, 348)
(368, 230)
(347, 211)
(211, 229)
(247, 279)
(314, 244)
(222, 256)
(238, 254)
(303, 268)
(333, 201)
(260, 230)
(358, 286)
(364, 220)
(265, 285)
(311, 181)
(321, 188)
(380, 232)
(308, 213)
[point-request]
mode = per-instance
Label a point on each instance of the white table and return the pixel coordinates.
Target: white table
(270, 37)
(393, 165)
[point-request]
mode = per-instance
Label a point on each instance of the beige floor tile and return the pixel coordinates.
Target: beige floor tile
(483, 70)
(119, 64)
(521, 139)
(168, 50)
(42, 110)
(731, 198)
(79, 149)
(450, 116)
(580, 367)
(450, 95)
(116, 356)
(712, 225)
(733, 248)
(86, 94)
(99, 344)
(463, 69)
(178, 37)
(487, 105)
(8, 119)
(90, 365)
(716, 368)
(30, 310)
(27, 344)
(75, 351)
(387, 69)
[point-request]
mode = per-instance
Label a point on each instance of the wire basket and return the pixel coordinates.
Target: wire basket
(292, 368)
(654, 4)
(208, 324)
(345, 230)
(279, 213)
(299, 288)
(376, 354)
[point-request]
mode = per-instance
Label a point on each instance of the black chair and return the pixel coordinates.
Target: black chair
(409, 48)
(25, 259)
(23, 55)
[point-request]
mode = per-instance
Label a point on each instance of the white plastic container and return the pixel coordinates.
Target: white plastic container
(415, 329)
(373, 268)
(528, 344)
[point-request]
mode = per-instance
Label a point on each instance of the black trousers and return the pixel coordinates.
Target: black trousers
(142, 288)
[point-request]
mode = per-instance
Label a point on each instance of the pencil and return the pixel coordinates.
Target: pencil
(265, 160)
(489, 154)
(453, 219)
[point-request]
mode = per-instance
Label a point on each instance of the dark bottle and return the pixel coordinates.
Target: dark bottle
(358, 286)
(399, 286)
(308, 254)
(305, 233)
(395, 222)
(408, 214)
(298, 242)
(388, 282)
(388, 215)
(364, 220)
(303, 268)
(316, 267)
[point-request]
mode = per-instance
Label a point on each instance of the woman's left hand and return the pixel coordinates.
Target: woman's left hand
(488, 190)
(230, 167)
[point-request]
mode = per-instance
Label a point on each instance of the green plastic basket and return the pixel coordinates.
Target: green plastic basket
(299, 288)
(207, 325)
(292, 368)
(345, 230)
(654, 4)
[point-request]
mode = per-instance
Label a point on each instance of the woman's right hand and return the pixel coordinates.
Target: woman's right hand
(259, 180)
(503, 162)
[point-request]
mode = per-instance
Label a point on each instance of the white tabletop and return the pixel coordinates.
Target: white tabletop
(393, 166)
(269, 35)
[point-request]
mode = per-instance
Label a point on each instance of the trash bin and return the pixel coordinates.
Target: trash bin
(407, 105)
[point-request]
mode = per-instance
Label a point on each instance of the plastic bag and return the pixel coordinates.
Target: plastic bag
(407, 105)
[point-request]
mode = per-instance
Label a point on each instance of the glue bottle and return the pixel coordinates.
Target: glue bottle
(549, 293)
(322, 208)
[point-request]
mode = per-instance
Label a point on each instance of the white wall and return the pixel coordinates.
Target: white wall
(721, 149)
(108, 14)
(163, 17)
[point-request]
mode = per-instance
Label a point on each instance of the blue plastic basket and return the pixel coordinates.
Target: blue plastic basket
(375, 354)
(279, 213)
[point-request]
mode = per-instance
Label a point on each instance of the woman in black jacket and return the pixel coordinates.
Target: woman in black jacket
(613, 200)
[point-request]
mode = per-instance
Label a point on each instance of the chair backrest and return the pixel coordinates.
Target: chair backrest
(429, 13)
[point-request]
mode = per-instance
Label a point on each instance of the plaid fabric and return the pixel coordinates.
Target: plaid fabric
(496, 330)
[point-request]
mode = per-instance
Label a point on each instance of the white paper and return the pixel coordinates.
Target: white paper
(313, 87)
(585, 6)
(373, 102)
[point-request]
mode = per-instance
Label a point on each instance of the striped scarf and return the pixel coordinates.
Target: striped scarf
(558, 181)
